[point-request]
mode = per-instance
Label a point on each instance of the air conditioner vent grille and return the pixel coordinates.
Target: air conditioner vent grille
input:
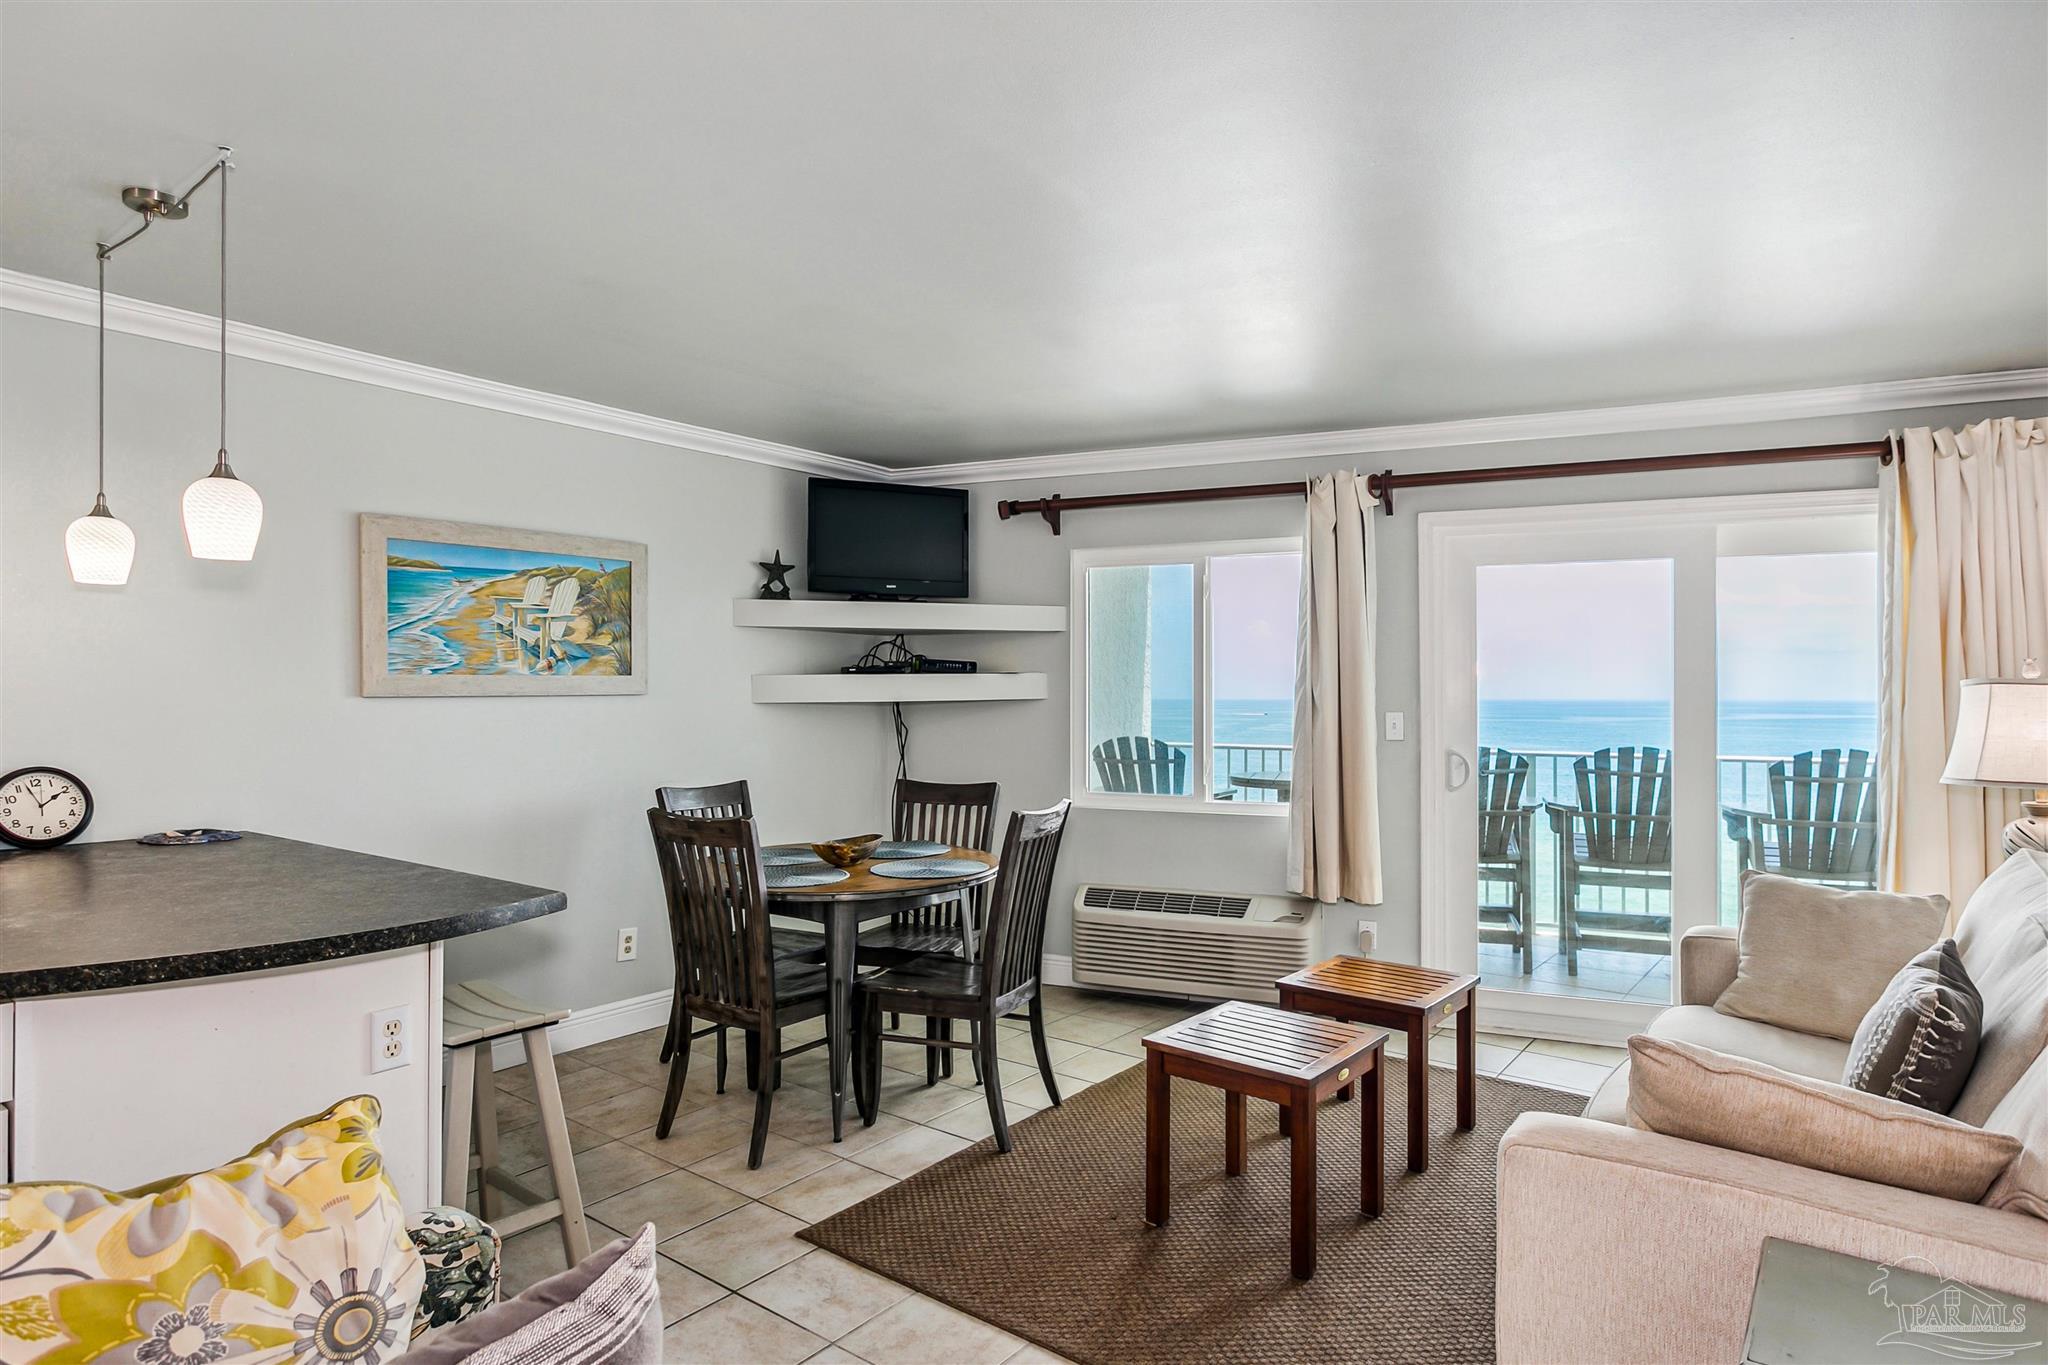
(1167, 902)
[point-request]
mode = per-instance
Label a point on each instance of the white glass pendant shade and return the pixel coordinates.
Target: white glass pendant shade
(100, 548)
(223, 516)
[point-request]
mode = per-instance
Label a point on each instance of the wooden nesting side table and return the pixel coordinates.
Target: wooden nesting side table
(1294, 1060)
(1414, 1000)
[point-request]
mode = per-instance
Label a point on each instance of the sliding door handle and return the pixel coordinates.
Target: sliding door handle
(1457, 770)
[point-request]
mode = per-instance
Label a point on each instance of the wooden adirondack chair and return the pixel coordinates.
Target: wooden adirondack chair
(1504, 852)
(1138, 763)
(1822, 824)
(1619, 835)
(509, 609)
(543, 629)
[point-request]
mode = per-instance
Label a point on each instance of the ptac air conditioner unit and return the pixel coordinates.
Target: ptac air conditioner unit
(1220, 945)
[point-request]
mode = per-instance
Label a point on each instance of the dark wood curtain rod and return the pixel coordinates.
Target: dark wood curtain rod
(1382, 485)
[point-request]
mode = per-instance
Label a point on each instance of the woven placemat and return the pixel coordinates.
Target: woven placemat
(789, 855)
(789, 878)
(1102, 1288)
(908, 848)
(920, 869)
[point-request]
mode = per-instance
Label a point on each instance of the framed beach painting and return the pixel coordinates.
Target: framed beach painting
(455, 610)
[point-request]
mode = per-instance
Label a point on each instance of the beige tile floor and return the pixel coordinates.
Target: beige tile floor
(737, 1285)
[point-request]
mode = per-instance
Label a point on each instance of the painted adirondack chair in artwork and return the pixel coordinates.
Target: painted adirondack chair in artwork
(1138, 763)
(1504, 853)
(1618, 836)
(543, 629)
(1822, 821)
(509, 609)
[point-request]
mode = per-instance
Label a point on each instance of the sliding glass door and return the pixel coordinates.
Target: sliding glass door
(1632, 703)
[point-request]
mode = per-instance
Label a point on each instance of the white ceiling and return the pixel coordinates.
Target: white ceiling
(921, 233)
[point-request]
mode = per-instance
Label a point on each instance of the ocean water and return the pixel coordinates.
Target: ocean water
(414, 600)
(1748, 729)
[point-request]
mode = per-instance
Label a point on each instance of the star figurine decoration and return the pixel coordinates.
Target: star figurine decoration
(775, 590)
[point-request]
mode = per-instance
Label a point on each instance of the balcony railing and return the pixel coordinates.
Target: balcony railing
(1245, 760)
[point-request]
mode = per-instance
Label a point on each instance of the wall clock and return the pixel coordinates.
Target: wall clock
(43, 807)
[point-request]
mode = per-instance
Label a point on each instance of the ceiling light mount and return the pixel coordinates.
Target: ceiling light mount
(156, 203)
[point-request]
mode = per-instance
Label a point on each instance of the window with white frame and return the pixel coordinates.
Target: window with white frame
(1184, 661)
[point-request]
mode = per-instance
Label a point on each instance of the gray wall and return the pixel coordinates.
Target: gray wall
(226, 694)
(1025, 745)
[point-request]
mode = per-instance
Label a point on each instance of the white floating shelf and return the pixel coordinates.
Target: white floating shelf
(888, 687)
(895, 618)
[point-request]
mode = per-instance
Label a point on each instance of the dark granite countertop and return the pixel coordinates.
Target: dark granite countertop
(90, 917)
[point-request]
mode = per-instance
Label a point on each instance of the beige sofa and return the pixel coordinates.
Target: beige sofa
(1617, 1244)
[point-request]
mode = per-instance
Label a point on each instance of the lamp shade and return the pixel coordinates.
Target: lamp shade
(223, 517)
(2001, 734)
(100, 548)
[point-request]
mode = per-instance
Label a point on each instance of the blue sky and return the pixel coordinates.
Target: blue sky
(491, 557)
(1254, 604)
(1790, 628)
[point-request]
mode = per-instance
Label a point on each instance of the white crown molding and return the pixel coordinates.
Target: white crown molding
(138, 317)
(1842, 400)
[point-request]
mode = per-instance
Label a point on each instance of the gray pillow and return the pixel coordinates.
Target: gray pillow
(1814, 958)
(605, 1311)
(1919, 1040)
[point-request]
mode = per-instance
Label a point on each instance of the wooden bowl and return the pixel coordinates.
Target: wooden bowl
(847, 852)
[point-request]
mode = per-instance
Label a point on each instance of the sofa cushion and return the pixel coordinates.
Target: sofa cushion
(296, 1252)
(1919, 1039)
(2003, 939)
(2024, 1114)
(605, 1310)
(1814, 958)
(1705, 1096)
(1803, 1054)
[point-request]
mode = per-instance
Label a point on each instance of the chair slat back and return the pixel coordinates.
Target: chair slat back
(720, 801)
(1626, 794)
(718, 912)
(1014, 952)
(1503, 776)
(959, 814)
(536, 589)
(563, 601)
(1829, 801)
(1139, 763)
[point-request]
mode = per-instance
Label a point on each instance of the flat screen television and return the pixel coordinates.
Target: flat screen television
(887, 540)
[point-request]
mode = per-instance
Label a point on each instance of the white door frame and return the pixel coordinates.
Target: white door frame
(1688, 531)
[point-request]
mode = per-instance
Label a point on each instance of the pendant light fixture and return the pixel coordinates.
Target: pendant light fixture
(99, 546)
(223, 516)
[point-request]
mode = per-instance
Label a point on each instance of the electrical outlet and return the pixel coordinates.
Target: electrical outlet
(629, 944)
(1397, 726)
(1368, 937)
(391, 1039)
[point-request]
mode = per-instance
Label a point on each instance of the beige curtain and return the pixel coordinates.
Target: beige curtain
(1965, 544)
(1334, 821)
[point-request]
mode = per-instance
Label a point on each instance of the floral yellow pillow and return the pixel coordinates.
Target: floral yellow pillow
(295, 1253)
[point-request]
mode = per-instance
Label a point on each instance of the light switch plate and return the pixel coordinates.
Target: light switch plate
(1397, 726)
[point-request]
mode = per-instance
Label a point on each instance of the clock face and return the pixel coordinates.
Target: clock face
(43, 807)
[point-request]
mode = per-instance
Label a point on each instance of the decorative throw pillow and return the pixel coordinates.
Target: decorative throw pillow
(1814, 958)
(604, 1311)
(460, 1251)
(297, 1252)
(1731, 1102)
(1919, 1039)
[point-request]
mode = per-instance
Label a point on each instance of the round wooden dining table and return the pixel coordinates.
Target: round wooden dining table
(842, 907)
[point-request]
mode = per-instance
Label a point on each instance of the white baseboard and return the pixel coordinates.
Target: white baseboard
(1058, 970)
(588, 1027)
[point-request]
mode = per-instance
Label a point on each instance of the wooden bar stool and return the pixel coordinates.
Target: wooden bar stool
(474, 1014)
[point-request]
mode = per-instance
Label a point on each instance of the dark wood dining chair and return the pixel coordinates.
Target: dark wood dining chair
(718, 910)
(724, 801)
(1005, 979)
(959, 815)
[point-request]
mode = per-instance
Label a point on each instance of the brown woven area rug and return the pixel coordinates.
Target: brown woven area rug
(1049, 1241)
